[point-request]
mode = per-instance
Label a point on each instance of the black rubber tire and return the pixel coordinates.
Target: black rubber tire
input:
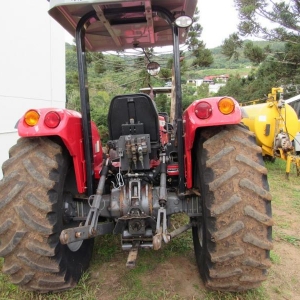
(232, 239)
(31, 208)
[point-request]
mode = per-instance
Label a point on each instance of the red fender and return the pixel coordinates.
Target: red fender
(192, 122)
(69, 130)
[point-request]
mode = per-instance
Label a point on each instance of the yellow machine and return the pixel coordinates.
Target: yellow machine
(275, 125)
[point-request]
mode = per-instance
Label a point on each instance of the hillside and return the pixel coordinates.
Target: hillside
(222, 65)
(111, 74)
(132, 64)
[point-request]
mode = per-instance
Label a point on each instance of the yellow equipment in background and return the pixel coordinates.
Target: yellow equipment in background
(275, 125)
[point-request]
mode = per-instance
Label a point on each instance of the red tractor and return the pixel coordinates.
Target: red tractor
(59, 191)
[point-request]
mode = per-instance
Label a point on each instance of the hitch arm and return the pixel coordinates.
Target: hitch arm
(92, 218)
(91, 227)
(77, 234)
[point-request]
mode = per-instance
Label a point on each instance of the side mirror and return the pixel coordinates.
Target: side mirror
(153, 68)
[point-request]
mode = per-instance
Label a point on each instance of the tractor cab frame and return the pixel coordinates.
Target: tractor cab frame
(124, 14)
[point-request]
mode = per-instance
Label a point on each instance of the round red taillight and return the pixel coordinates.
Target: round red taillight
(203, 110)
(52, 119)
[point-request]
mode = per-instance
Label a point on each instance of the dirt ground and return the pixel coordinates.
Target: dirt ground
(284, 276)
(177, 277)
(171, 273)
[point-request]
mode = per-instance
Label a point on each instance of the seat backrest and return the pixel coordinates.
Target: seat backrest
(136, 112)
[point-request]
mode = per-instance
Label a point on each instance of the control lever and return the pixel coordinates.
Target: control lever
(133, 151)
(141, 158)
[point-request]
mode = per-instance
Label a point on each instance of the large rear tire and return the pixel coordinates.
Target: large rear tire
(31, 218)
(232, 239)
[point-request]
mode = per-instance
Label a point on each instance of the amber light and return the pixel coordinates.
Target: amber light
(226, 106)
(52, 119)
(203, 110)
(31, 118)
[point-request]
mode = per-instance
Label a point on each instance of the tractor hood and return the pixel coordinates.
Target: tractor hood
(120, 25)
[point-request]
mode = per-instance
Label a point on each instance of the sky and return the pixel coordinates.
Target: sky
(219, 19)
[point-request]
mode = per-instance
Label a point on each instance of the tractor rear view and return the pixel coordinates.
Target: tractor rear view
(59, 191)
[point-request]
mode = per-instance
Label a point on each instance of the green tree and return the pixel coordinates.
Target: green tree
(165, 73)
(99, 111)
(202, 56)
(189, 95)
(163, 103)
(231, 45)
(203, 91)
(282, 16)
(256, 86)
(278, 67)
(283, 24)
(234, 88)
(99, 62)
(255, 53)
(73, 100)
(71, 59)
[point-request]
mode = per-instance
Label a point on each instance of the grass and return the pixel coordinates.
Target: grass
(106, 248)
(290, 239)
(275, 258)
(84, 290)
(289, 189)
(280, 186)
(257, 294)
(108, 275)
(296, 200)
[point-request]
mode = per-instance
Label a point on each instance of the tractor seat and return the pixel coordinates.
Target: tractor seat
(133, 114)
